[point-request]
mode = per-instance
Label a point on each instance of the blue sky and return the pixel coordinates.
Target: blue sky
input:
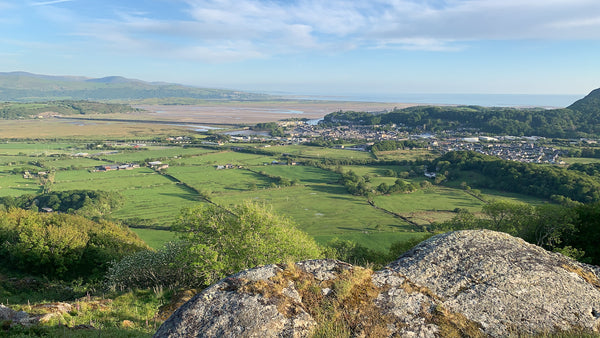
(313, 46)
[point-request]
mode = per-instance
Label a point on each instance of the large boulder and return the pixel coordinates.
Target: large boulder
(464, 283)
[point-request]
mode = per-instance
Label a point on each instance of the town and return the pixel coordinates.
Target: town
(530, 149)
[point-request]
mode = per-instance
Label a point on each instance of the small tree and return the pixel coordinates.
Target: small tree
(224, 241)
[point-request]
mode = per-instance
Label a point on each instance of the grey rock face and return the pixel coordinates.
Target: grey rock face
(16, 317)
(470, 283)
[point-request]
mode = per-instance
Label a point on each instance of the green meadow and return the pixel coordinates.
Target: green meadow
(320, 152)
(152, 153)
(316, 201)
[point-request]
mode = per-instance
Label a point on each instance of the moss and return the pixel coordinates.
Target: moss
(453, 324)
(177, 300)
(588, 276)
(411, 287)
(341, 307)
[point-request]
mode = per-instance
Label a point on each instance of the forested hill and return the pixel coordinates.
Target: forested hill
(16, 110)
(581, 119)
(589, 104)
(27, 87)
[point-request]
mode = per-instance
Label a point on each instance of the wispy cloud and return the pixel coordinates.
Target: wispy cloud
(236, 29)
(46, 3)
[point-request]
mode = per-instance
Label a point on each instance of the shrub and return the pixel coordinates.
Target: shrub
(62, 246)
(224, 241)
(151, 269)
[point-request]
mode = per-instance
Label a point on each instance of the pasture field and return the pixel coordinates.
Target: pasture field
(434, 204)
(157, 205)
(321, 209)
(490, 195)
(14, 148)
(317, 203)
(209, 179)
(407, 154)
(235, 158)
(16, 160)
(320, 153)
(153, 153)
(435, 198)
(155, 238)
(582, 160)
(109, 181)
(375, 240)
(374, 170)
(16, 185)
(305, 174)
(149, 197)
(70, 162)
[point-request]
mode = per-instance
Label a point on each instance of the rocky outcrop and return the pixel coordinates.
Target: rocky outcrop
(11, 317)
(464, 283)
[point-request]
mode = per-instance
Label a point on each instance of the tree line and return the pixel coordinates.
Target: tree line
(578, 120)
(84, 202)
(573, 230)
(525, 178)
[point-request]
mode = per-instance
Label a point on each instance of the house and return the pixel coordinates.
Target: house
(429, 175)
(227, 166)
(108, 167)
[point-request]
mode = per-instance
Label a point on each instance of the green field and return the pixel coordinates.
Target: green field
(319, 152)
(209, 179)
(406, 154)
(16, 185)
(155, 238)
(153, 153)
(317, 202)
(14, 148)
(582, 160)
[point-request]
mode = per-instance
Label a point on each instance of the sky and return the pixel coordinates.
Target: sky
(313, 46)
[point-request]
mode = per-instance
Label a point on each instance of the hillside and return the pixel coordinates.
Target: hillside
(27, 87)
(578, 120)
(590, 104)
(461, 284)
(17, 110)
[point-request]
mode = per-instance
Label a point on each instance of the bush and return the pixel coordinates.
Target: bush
(151, 269)
(62, 246)
(224, 241)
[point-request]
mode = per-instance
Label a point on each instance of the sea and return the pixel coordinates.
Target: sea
(485, 100)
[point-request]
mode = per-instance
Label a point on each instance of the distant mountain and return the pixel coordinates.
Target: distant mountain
(113, 79)
(590, 104)
(27, 87)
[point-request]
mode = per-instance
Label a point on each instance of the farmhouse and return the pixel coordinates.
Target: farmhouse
(157, 165)
(110, 167)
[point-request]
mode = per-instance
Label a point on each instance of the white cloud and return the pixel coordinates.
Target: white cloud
(46, 3)
(237, 29)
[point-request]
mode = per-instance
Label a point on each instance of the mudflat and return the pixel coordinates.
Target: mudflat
(254, 112)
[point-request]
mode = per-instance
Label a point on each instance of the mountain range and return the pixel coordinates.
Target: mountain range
(28, 87)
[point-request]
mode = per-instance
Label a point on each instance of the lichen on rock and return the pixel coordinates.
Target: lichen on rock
(465, 283)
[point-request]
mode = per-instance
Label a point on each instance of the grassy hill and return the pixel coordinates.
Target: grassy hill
(18, 110)
(27, 87)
